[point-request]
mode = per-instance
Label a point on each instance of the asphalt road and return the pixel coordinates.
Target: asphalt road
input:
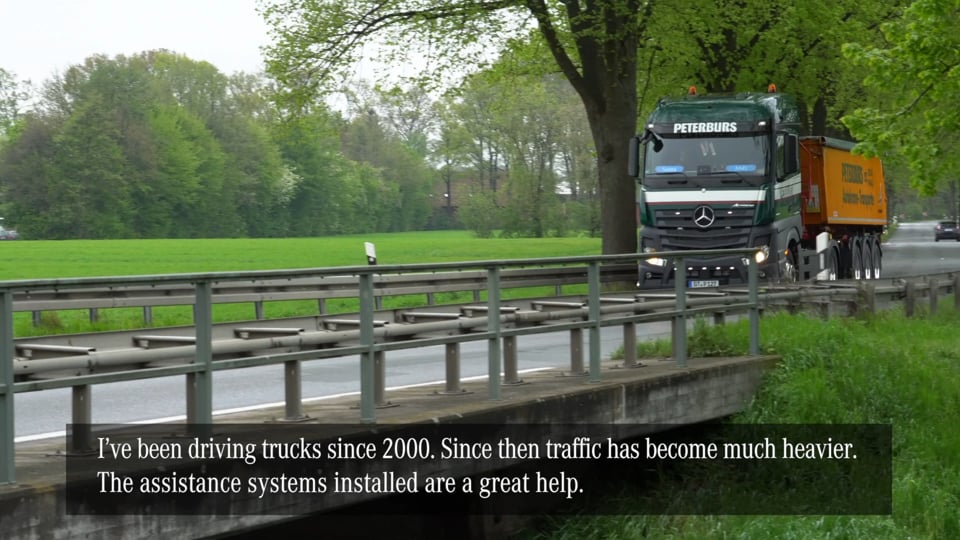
(910, 251)
(44, 414)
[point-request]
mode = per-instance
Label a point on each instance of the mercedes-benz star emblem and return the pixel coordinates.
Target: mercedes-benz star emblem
(703, 216)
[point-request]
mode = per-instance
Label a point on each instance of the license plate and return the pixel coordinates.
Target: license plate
(697, 284)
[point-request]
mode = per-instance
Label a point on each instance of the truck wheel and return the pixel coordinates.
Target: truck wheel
(791, 268)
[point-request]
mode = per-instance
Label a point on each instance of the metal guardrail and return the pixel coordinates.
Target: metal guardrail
(52, 366)
(268, 288)
(44, 366)
(370, 337)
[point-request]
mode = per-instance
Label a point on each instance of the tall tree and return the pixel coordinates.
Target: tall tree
(366, 140)
(593, 43)
(450, 152)
(91, 187)
(26, 166)
(409, 115)
(479, 96)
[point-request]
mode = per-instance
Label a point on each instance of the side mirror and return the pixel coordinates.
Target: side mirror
(633, 159)
(649, 135)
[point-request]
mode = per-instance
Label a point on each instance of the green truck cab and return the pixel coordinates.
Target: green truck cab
(719, 172)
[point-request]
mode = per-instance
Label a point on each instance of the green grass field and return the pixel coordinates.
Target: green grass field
(83, 258)
(87, 258)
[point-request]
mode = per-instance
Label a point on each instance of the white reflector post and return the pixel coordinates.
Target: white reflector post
(371, 252)
(823, 242)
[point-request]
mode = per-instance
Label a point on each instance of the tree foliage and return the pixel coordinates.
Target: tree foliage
(12, 95)
(532, 141)
(916, 73)
(743, 46)
(593, 44)
(158, 145)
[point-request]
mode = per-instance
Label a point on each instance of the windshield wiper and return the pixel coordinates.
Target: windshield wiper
(739, 180)
(672, 173)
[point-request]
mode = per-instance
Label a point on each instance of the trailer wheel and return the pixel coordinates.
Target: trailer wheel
(856, 259)
(877, 258)
(844, 251)
(867, 258)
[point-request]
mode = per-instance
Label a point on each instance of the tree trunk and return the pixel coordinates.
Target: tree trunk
(612, 129)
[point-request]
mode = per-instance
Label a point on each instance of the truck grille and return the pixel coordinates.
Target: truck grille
(730, 229)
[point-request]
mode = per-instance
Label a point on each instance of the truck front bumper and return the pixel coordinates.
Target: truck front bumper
(702, 272)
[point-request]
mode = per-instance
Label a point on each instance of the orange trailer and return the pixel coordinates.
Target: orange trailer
(844, 209)
(840, 189)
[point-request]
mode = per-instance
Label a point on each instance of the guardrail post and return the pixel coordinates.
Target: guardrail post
(293, 391)
(868, 297)
(956, 291)
(377, 298)
(452, 359)
(81, 439)
(368, 356)
(37, 317)
(824, 307)
(754, 292)
(7, 447)
(679, 318)
(934, 294)
(258, 310)
(576, 351)
(94, 315)
(909, 298)
(493, 327)
(593, 306)
(200, 383)
(630, 345)
(510, 368)
(380, 378)
(148, 315)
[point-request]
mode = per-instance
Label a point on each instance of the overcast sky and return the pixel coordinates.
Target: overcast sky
(41, 37)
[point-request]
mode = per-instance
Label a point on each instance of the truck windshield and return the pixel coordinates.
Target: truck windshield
(707, 160)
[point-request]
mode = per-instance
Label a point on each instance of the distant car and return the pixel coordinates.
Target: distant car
(8, 234)
(946, 230)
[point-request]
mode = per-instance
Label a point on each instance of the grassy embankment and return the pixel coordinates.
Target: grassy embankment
(83, 258)
(880, 369)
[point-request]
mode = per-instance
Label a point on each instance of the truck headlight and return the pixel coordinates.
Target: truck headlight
(762, 255)
(655, 261)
